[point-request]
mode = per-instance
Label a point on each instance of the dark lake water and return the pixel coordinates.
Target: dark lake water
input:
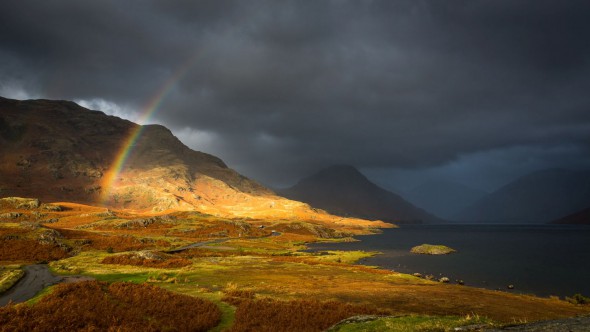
(539, 259)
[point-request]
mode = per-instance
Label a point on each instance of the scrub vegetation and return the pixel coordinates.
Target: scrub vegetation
(239, 275)
(26, 250)
(99, 306)
(294, 315)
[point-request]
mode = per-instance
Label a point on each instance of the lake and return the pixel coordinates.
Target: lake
(536, 259)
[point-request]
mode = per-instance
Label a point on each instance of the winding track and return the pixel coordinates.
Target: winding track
(36, 278)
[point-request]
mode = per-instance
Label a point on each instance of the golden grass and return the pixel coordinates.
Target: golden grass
(131, 259)
(9, 276)
(273, 267)
(102, 241)
(294, 278)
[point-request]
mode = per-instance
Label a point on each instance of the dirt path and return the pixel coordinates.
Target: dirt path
(36, 278)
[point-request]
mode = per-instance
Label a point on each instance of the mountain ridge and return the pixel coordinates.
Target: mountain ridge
(60, 151)
(537, 197)
(344, 190)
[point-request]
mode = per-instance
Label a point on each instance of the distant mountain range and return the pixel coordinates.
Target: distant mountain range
(443, 198)
(539, 197)
(578, 218)
(60, 151)
(343, 190)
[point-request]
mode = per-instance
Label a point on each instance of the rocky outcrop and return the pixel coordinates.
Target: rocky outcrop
(20, 203)
(144, 222)
(432, 249)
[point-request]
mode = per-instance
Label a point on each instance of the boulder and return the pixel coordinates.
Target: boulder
(10, 215)
(49, 236)
(22, 203)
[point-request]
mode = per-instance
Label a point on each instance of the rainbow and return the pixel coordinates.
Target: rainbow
(149, 109)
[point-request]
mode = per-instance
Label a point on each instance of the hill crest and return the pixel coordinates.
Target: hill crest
(60, 151)
(343, 190)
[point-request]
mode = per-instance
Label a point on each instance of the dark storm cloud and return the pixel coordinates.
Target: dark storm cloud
(281, 88)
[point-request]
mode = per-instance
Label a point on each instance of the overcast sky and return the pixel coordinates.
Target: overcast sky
(478, 92)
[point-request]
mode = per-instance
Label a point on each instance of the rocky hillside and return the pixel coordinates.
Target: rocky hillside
(343, 190)
(60, 151)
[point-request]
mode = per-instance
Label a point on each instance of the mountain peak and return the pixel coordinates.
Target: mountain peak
(341, 168)
(343, 190)
(340, 172)
(59, 151)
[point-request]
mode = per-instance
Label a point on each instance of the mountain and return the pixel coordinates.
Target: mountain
(445, 199)
(343, 190)
(539, 197)
(60, 151)
(578, 218)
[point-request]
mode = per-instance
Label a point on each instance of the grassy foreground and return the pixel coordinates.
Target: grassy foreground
(253, 271)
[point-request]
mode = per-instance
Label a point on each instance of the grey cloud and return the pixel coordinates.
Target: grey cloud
(286, 87)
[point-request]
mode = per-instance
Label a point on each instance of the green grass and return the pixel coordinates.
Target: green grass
(9, 276)
(120, 277)
(40, 295)
(227, 311)
(578, 299)
(347, 257)
(412, 324)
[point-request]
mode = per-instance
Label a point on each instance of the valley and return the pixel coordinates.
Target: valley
(111, 214)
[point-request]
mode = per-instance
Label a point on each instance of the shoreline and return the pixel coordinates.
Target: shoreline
(512, 281)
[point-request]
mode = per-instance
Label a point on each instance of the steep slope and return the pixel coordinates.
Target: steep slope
(59, 151)
(443, 198)
(578, 218)
(343, 190)
(539, 197)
